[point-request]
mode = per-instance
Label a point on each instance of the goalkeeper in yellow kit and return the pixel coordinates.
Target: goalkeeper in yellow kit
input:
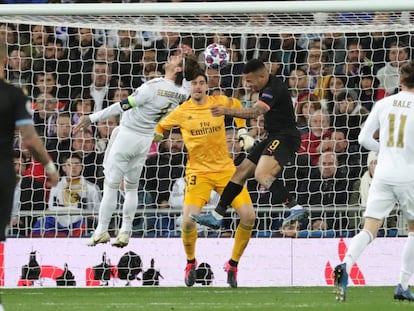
(209, 167)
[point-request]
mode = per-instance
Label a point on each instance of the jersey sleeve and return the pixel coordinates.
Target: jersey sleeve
(268, 96)
(170, 121)
(142, 95)
(372, 123)
(23, 115)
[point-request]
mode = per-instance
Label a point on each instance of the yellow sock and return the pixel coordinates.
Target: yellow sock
(241, 239)
(189, 240)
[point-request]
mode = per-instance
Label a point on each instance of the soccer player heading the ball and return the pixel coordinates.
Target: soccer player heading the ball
(393, 181)
(131, 141)
(266, 159)
(209, 167)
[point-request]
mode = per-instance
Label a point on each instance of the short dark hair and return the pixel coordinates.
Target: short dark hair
(407, 74)
(253, 65)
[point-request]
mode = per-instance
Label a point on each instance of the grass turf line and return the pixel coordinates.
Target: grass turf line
(199, 298)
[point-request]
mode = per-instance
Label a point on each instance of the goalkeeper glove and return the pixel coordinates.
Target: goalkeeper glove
(246, 142)
(158, 137)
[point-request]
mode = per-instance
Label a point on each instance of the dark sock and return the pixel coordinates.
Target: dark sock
(281, 195)
(229, 193)
(191, 261)
(233, 263)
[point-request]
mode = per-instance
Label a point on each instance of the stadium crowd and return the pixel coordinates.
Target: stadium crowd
(334, 80)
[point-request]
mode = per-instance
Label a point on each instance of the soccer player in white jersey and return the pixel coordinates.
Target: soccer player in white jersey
(131, 141)
(393, 182)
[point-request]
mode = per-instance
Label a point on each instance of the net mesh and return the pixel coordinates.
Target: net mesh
(79, 64)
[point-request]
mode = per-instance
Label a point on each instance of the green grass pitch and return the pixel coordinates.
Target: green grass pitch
(199, 298)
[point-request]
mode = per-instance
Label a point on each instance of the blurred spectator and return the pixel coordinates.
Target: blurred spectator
(44, 115)
(298, 84)
(73, 194)
(162, 169)
(389, 75)
(107, 54)
(83, 145)
(39, 37)
(335, 47)
(306, 106)
(326, 186)
(8, 34)
(257, 130)
(149, 64)
(291, 54)
(318, 69)
(59, 147)
(81, 105)
(45, 82)
(349, 115)
(349, 162)
(104, 131)
(100, 85)
(129, 56)
(369, 89)
(18, 71)
(334, 85)
(315, 142)
(81, 58)
(355, 59)
(57, 61)
(168, 43)
(29, 196)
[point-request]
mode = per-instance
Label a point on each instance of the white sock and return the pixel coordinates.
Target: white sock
(107, 208)
(358, 244)
(407, 264)
(128, 210)
(217, 215)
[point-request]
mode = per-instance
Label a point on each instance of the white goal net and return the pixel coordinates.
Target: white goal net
(75, 59)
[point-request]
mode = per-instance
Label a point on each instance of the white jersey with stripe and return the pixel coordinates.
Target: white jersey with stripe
(153, 101)
(394, 117)
(149, 104)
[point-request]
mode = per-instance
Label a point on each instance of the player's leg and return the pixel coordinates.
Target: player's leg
(196, 195)
(7, 185)
(244, 208)
(132, 173)
(406, 202)
(380, 202)
(189, 238)
(114, 166)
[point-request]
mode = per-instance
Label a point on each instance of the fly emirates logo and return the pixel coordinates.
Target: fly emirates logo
(205, 128)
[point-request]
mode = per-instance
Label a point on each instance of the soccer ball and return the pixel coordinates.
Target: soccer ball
(216, 56)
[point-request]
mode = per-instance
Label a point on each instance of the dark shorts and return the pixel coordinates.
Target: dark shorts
(281, 146)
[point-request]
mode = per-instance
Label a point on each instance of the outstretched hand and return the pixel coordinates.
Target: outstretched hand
(83, 123)
(217, 111)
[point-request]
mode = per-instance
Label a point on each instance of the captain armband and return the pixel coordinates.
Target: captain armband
(127, 103)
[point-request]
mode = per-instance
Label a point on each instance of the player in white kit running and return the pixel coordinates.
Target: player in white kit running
(130, 142)
(393, 181)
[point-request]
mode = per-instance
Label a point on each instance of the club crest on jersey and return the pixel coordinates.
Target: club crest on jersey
(126, 106)
(266, 95)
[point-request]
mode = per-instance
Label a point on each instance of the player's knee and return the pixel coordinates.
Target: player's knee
(247, 214)
(130, 185)
(188, 224)
(111, 184)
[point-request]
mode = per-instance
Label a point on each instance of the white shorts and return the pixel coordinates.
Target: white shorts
(125, 155)
(383, 197)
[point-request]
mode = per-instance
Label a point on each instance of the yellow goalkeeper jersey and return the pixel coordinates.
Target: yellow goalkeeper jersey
(204, 135)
